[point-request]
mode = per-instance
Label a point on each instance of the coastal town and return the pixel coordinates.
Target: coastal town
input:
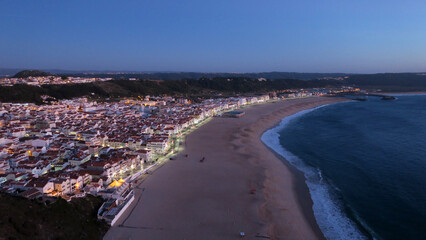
(73, 147)
(207, 120)
(48, 80)
(76, 147)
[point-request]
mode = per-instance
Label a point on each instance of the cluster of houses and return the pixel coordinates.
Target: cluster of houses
(296, 95)
(38, 81)
(76, 147)
(301, 93)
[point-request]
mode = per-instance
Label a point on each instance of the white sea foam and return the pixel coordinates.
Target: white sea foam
(329, 215)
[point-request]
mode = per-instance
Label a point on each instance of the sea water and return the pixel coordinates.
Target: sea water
(365, 165)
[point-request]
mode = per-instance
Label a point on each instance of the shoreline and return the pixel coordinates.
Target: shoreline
(300, 187)
(303, 195)
(321, 204)
(186, 199)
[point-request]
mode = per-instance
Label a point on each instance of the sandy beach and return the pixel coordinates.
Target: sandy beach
(189, 199)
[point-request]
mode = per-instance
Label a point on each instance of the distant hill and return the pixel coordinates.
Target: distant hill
(171, 75)
(191, 88)
(31, 73)
(389, 79)
(207, 87)
(210, 75)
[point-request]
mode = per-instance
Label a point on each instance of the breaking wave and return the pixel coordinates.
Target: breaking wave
(328, 209)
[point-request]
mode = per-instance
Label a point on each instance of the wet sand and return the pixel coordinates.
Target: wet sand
(189, 199)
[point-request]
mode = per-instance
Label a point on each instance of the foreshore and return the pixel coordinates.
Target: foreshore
(240, 186)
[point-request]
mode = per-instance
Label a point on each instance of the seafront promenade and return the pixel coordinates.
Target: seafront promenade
(240, 186)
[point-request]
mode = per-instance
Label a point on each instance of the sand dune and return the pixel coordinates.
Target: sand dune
(189, 199)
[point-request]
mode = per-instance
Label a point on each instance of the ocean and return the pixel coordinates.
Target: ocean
(365, 164)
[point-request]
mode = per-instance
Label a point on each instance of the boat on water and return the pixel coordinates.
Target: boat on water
(360, 99)
(388, 98)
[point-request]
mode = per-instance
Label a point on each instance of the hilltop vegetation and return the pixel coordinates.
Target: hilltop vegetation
(31, 73)
(206, 87)
(180, 75)
(126, 88)
(199, 75)
(30, 219)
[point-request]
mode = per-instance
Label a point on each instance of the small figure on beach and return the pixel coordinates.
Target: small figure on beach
(242, 234)
(186, 155)
(202, 159)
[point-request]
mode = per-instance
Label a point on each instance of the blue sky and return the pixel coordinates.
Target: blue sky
(356, 36)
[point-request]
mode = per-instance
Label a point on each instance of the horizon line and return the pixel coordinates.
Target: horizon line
(207, 72)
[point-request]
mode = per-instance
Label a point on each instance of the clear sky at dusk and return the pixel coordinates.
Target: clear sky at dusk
(215, 36)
